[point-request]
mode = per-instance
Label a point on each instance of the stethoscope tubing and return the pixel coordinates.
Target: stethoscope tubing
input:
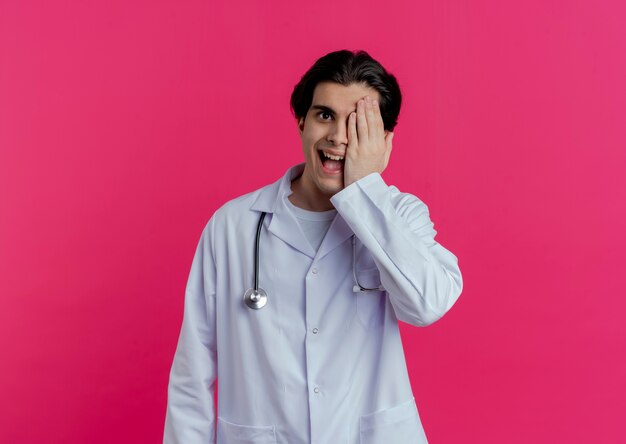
(358, 287)
(256, 298)
(256, 251)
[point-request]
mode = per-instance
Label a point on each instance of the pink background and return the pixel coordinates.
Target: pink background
(124, 125)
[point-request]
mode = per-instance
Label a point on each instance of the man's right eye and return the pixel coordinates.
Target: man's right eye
(325, 115)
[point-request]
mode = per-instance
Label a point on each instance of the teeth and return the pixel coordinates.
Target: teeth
(330, 156)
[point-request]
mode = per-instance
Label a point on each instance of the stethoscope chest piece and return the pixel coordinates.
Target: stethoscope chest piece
(255, 299)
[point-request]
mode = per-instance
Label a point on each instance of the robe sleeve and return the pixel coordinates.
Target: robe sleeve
(190, 415)
(421, 277)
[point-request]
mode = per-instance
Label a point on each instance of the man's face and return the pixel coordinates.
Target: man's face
(324, 133)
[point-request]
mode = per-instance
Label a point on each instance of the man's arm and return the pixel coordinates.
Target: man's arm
(422, 278)
(190, 416)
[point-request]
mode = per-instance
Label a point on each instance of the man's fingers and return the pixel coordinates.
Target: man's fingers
(353, 139)
(370, 114)
(380, 125)
(361, 121)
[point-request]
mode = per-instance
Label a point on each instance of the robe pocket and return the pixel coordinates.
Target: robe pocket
(229, 433)
(370, 305)
(398, 424)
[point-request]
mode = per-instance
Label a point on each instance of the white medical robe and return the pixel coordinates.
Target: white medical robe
(320, 363)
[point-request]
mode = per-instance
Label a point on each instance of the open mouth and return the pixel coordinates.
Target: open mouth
(330, 161)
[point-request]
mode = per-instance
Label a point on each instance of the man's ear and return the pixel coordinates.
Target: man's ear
(301, 124)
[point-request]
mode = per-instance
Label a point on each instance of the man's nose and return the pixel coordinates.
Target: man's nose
(338, 134)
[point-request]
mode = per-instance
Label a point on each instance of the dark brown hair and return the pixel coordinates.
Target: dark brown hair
(348, 67)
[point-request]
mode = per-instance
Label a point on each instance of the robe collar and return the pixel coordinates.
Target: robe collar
(283, 223)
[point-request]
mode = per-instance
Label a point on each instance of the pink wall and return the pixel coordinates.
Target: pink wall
(124, 125)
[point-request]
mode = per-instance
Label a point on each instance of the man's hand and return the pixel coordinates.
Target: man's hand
(369, 145)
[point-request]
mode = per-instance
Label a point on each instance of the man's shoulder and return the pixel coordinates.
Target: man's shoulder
(248, 202)
(235, 214)
(240, 203)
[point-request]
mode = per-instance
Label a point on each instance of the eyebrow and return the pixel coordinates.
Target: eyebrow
(323, 108)
(327, 109)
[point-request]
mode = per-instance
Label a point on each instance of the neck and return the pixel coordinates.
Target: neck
(308, 201)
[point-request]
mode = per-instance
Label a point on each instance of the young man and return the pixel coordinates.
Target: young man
(329, 258)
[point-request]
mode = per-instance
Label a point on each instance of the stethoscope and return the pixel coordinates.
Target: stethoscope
(256, 297)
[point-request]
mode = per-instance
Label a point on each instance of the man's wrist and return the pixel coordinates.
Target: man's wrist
(364, 181)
